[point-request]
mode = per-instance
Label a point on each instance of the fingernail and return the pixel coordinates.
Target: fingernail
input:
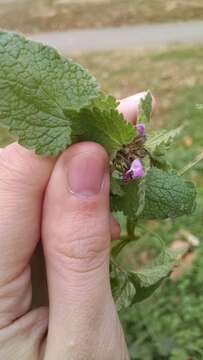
(86, 174)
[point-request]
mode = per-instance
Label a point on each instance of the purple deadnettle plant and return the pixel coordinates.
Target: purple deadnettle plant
(55, 102)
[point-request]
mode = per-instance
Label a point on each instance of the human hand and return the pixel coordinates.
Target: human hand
(73, 220)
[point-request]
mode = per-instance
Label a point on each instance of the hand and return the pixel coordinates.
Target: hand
(65, 202)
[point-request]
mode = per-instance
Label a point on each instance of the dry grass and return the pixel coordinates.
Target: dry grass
(168, 72)
(28, 17)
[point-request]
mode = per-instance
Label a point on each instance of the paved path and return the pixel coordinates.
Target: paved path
(111, 38)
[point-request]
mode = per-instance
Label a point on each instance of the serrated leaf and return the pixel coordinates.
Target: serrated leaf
(160, 141)
(38, 87)
(104, 102)
(157, 145)
(106, 127)
(145, 109)
(167, 195)
(148, 279)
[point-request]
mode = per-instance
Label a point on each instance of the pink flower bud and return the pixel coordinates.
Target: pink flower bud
(141, 129)
(136, 171)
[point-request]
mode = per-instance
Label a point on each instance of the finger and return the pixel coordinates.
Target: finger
(130, 105)
(23, 178)
(76, 239)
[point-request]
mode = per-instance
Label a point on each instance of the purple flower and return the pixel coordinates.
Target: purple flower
(136, 171)
(141, 129)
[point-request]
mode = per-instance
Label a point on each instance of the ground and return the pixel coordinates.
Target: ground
(28, 17)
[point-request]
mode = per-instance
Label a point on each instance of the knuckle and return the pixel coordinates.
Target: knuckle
(82, 249)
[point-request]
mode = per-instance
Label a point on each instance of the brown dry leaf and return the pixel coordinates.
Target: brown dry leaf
(187, 141)
(186, 262)
(186, 259)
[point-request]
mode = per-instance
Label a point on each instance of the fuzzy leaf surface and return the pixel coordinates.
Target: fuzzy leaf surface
(104, 126)
(38, 87)
(167, 195)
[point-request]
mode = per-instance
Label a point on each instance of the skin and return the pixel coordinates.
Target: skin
(65, 203)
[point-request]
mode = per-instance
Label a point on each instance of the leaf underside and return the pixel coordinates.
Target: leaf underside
(131, 287)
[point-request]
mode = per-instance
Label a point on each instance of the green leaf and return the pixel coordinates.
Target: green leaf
(158, 144)
(38, 89)
(123, 290)
(104, 102)
(167, 195)
(106, 127)
(161, 140)
(116, 187)
(145, 109)
(148, 279)
(130, 287)
(129, 202)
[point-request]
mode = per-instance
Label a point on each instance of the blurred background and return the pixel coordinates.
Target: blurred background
(130, 46)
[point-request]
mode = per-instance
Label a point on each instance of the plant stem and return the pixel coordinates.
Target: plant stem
(191, 164)
(131, 227)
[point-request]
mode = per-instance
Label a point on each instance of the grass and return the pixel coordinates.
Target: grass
(26, 16)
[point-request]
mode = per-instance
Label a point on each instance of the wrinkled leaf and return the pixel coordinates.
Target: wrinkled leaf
(37, 88)
(167, 195)
(106, 127)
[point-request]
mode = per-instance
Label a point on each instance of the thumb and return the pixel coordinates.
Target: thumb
(76, 237)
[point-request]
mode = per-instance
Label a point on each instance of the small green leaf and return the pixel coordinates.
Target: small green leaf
(161, 140)
(145, 109)
(130, 287)
(147, 280)
(123, 290)
(167, 195)
(106, 127)
(37, 88)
